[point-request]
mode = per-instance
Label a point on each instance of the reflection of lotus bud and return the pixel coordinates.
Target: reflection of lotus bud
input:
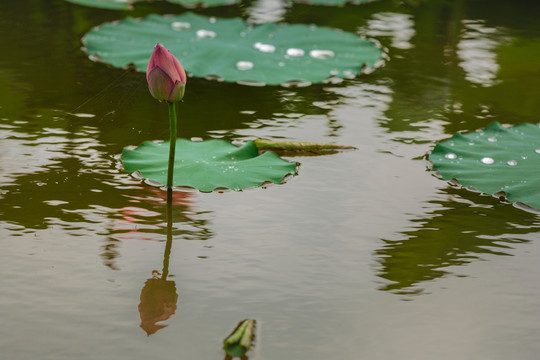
(165, 76)
(158, 303)
(240, 340)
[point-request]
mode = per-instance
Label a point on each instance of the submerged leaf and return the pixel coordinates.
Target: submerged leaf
(106, 4)
(300, 147)
(498, 159)
(208, 165)
(294, 55)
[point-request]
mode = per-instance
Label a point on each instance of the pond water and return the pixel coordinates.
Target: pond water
(363, 254)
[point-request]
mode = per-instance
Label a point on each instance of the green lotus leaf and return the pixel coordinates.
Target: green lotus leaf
(497, 159)
(128, 4)
(229, 49)
(106, 4)
(207, 165)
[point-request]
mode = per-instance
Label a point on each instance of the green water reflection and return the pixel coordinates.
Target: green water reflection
(467, 73)
(465, 228)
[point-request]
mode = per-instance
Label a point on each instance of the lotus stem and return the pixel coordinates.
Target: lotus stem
(172, 148)
(168, 245)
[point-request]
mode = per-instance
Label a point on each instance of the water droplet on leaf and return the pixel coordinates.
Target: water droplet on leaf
(512, 162)
(450, 156)
(349, 74)
(487, 160)
(205, 34)
(244, 65)
(266, 48)
(179, 25)
(321, 54)
(295, 52)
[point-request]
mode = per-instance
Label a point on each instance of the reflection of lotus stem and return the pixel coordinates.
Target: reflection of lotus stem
(172, 148)
(168, 245)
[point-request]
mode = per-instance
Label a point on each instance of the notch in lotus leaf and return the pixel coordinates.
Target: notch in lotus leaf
(208, 165)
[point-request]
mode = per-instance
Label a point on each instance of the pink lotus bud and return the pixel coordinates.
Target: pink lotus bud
(165, 76)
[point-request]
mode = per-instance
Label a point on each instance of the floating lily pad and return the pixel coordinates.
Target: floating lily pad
(498, 159)
(231, 50)
(106, 4)
(128, 4)
(208, 165)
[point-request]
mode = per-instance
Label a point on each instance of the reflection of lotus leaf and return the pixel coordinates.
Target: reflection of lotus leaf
(441, 241)
(208, 165)
(158, 303)
(494, 160)
(229, 49)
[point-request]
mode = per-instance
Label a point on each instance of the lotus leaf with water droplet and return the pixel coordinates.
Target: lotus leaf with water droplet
(231, 50)
(128, 4)
(497, 159)
(207, 165)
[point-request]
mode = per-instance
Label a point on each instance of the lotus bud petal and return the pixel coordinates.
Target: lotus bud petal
(165, 76)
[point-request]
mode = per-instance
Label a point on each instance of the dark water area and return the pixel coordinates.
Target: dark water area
(364, 254)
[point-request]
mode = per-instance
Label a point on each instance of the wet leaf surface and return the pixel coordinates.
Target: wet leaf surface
(230, 50)
(493, 160)
(208, 165)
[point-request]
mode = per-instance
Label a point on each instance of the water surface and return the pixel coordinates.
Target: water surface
(364, 254)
